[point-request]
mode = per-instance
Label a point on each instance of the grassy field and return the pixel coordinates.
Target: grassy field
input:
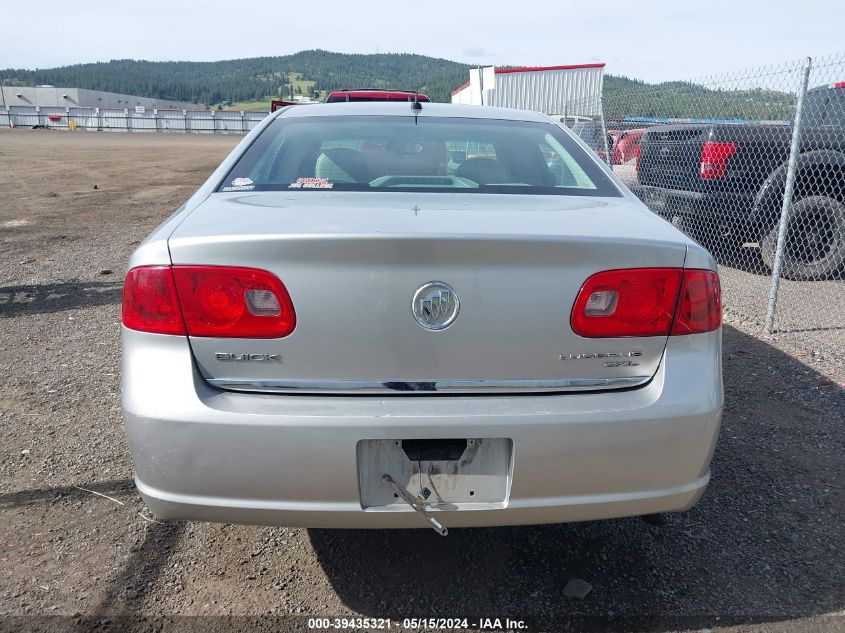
(252, 106)
(300, 87)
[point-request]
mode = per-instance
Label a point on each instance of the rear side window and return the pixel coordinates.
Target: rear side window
(378, 153)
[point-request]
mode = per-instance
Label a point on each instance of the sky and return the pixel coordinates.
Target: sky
(647, 39)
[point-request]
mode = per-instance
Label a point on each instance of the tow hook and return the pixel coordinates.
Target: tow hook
(417, 503)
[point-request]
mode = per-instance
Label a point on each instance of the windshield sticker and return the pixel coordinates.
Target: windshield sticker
(311, 183)
(240, 184)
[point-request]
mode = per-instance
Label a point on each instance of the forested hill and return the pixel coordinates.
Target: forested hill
(255, 78)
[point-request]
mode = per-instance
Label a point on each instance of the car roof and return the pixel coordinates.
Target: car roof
(386, 108)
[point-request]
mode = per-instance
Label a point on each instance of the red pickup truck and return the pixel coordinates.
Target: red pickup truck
(625, 144)
(375, 94)
(364, 94)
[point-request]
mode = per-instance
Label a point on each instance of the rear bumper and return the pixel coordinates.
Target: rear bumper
(350, 515)
(728, 206)
(205, 454)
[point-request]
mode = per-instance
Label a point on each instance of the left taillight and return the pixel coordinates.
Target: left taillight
(714, 159)
(230, 302)
(149, 301)
(214, 301)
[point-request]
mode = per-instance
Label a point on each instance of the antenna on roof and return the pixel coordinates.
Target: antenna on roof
(416, 105)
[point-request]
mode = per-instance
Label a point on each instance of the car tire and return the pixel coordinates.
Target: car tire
(815, 240)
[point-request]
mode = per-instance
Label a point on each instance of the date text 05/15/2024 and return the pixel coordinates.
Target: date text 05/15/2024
(486, 624)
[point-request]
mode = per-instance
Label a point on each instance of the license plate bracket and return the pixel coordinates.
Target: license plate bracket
(479, 479)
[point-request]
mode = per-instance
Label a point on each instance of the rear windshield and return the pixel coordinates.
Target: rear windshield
(389, 153)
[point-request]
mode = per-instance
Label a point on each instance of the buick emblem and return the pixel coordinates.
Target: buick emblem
(435, 305)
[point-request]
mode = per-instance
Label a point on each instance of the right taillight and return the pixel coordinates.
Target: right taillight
(699, 304)
(629, 302)
(637, 152)
(218, 301)
(714, 159)
(647, 302)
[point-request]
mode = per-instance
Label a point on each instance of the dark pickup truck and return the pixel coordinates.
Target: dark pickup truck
(724, 184)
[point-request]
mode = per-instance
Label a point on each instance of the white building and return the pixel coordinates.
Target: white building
(554, 90)
(53, 97)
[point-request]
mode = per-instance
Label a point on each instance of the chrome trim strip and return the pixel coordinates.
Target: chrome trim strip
(366, 387)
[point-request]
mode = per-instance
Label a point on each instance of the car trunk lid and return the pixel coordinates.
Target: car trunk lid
(352, 263)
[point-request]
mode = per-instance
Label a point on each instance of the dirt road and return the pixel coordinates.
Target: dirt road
(764, 550)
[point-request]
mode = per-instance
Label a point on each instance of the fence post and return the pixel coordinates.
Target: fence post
(794, 150)
(607, 157)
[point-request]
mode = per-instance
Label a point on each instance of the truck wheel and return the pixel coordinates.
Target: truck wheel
(815, 240)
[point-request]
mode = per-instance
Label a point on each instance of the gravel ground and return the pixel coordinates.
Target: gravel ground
(763, 551)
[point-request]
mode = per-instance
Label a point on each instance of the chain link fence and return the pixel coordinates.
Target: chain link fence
(751, 165)
(127, 120)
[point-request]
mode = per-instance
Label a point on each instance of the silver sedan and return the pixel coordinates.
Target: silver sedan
(380, 315)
